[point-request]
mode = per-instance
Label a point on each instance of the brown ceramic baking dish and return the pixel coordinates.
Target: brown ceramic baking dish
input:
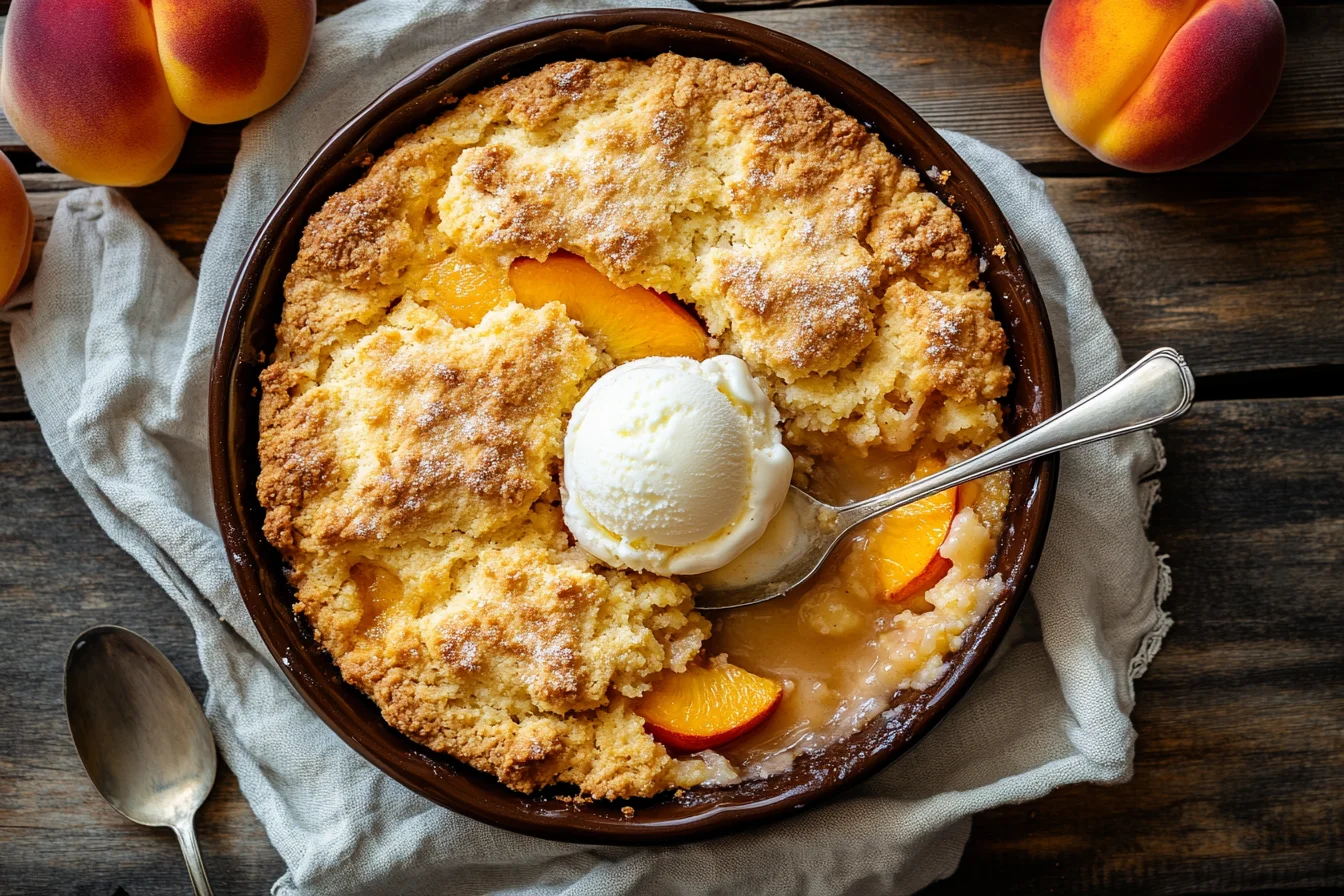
(247, 336)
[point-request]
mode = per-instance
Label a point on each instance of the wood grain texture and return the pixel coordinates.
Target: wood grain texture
(12, 401)
(1241, 274)
(1239, 780)
(60, 574)
(975, 69)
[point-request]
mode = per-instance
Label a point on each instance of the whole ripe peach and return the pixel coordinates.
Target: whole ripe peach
(82, 85)
(230, 59)
(16, 229)
(103, 89)
(1156, 85)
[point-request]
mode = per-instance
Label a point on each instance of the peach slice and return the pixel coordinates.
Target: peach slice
(16, 230)
(706, 706)
(633, 322)
(906, 541)
(384, 597)
(462, 291)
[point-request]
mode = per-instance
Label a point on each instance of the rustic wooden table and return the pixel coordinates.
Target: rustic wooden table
(1239, 777)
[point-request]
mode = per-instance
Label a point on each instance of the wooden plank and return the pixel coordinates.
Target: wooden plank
(1239, 768)
(975, 69)
(12, 401)
(1239, 273)
(60, 574)
(1239, 780)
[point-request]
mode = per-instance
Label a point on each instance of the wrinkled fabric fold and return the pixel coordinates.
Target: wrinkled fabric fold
(114, 352)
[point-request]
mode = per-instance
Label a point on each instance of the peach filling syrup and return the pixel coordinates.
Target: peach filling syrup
(845, 645)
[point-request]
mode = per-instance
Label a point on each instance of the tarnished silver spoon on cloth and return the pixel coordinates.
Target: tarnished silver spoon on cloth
(1158, 388)
(141, 734)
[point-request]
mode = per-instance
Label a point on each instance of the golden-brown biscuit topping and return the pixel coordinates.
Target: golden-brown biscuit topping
(409, 461)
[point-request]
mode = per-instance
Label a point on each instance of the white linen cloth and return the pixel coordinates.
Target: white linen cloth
(114, 353)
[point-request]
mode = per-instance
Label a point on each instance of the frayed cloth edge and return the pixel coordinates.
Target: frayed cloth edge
(1151, 642)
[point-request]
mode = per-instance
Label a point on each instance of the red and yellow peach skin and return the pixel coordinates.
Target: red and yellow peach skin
(230, 59)
(103, 89)
(1156, 85)
(82, 85)
(16, 230)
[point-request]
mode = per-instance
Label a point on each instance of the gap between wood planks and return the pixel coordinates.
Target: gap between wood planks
(1324, 381)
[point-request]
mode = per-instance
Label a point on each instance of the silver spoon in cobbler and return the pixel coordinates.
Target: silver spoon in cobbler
(802, 535)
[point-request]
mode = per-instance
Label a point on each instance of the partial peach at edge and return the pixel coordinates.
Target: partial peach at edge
(633, 322)
(225, 60)
(1156, 85)
(383, 597)
(16, 230)
(906, 541)
(464, 291)
(82, 85)
(707, 706)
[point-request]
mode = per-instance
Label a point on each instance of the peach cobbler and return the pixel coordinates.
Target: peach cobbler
(564, 349)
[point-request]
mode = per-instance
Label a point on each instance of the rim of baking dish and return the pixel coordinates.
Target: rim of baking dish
(247, 334)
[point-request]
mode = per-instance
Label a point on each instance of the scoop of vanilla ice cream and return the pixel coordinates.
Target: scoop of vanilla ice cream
(673, 466)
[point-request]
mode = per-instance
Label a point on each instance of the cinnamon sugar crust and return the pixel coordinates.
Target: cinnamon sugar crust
(409, 465)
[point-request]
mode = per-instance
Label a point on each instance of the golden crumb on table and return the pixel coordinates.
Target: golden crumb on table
(409, 463)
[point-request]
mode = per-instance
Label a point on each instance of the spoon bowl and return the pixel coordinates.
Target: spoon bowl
(140, 733)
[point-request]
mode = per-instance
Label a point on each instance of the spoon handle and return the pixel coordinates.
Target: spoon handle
(1158, 388)
(186, 837)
